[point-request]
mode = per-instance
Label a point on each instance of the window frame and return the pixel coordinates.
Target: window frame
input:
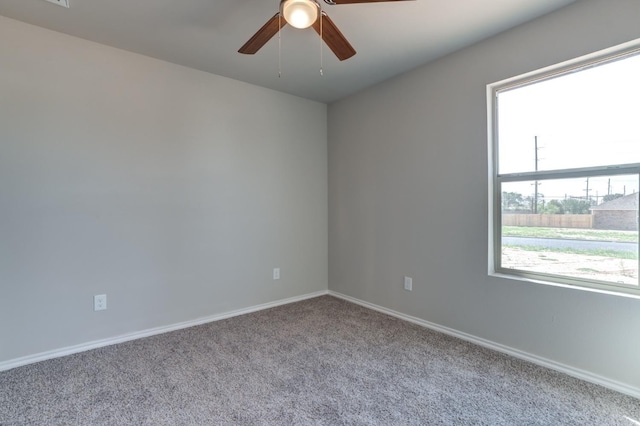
(496, 179)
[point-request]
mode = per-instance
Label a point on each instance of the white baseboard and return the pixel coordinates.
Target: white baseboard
(56, 353)
(571, 371)
(535, 359)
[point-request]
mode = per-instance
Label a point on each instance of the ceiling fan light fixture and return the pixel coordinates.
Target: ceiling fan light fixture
(299, 13)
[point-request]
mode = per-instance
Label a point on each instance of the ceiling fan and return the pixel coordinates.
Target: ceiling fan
(304, 14)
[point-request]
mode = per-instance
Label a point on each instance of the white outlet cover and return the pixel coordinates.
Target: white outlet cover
(408, 283)
(276, 273)
(63, 3)
(99, 302)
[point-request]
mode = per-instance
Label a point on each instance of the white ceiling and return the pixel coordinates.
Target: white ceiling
(390, 38)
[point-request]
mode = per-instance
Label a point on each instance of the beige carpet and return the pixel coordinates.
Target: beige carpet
(322, 361)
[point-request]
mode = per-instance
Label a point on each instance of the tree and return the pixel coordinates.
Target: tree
(610, 197)
(512, 201)
(553, 207)
(575, 206)
(531, 203)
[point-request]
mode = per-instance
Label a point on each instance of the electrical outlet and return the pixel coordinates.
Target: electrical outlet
(63, 3)
(408, 283)
(276, 273)
(99, 302)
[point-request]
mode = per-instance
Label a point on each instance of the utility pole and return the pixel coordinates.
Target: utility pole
(587, 190)
(609, 187)
(535, 196)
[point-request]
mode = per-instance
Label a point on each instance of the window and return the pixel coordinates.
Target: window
(565, 173)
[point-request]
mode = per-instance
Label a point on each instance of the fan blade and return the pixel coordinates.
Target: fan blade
(336, 41)
(358, 1)
(263, 35)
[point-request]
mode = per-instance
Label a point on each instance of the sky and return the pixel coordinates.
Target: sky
(574, 128)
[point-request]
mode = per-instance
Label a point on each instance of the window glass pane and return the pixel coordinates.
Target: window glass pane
(582, 228)
(581, 119)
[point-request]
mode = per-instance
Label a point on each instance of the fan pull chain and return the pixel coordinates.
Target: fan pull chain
(279, 46)
(321, 39)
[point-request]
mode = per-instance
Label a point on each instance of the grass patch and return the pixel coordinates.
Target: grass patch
(587, 270)
(604, 253)
(570, 233)
(547, 258)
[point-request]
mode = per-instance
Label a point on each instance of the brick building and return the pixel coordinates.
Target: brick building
(620, 214)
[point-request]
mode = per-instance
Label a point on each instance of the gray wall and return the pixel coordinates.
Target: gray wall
(408, 195)
(173, 191)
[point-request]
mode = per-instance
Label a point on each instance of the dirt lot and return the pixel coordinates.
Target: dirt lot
(574, 265)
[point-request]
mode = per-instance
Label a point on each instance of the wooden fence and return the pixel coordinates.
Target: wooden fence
(549, 220)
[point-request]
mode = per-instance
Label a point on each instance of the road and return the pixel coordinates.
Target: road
(576, 244)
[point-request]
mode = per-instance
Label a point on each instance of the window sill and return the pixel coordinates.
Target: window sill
(569, 286)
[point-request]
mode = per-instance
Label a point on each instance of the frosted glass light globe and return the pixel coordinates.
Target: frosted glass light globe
(299, 13)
